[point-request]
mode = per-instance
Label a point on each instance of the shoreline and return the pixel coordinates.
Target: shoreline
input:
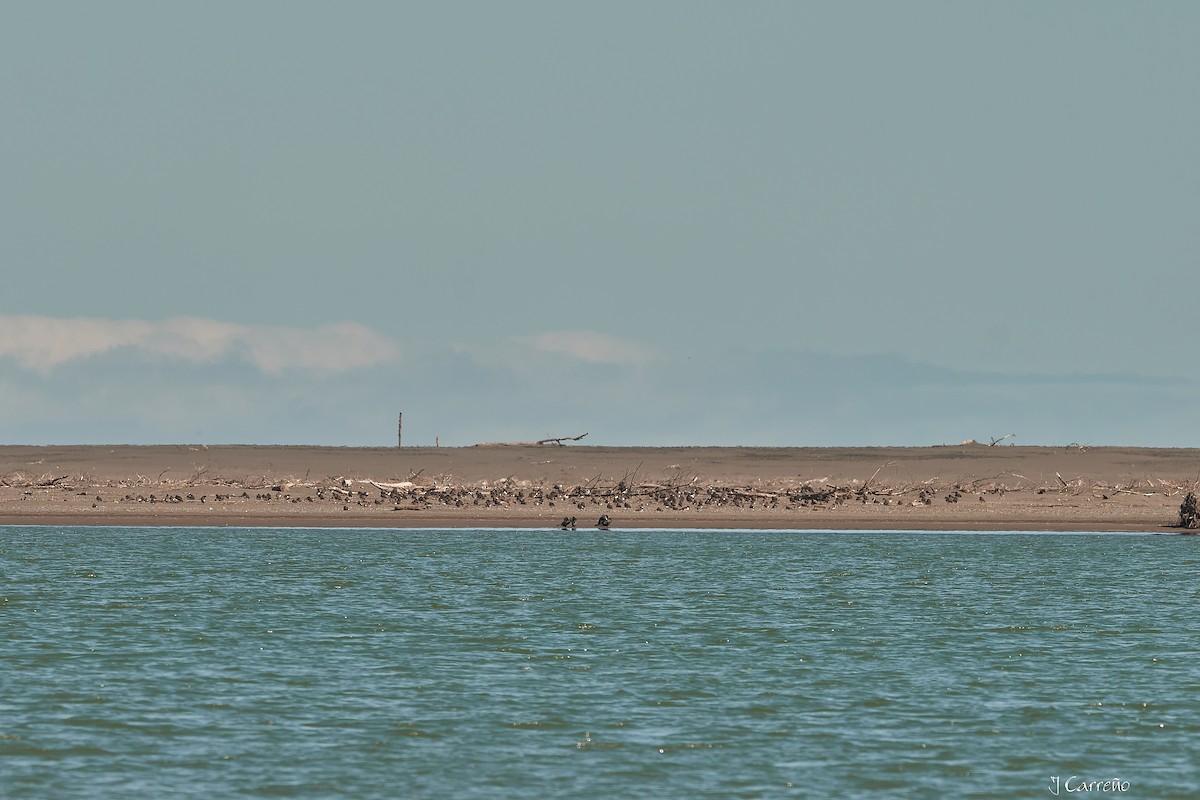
(965, 487)
(453, 524)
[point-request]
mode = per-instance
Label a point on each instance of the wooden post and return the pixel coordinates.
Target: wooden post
(400, 430)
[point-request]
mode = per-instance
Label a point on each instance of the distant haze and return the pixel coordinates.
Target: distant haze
(668, 223)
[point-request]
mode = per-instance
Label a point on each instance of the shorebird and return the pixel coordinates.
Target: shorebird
(603, 522)
(568, 522)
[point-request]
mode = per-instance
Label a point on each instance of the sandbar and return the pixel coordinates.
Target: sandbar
(955, 487)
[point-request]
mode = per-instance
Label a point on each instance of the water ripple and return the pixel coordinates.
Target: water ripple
(203, 662)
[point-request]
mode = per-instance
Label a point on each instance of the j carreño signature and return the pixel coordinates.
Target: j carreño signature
(1074, 784)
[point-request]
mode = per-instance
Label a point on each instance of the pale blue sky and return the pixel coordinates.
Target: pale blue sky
(666, 222)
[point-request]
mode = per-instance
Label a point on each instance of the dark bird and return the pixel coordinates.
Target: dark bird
(568, 522)
(603, 522)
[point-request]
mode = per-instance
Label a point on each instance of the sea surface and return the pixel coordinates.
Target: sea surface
(204, 662)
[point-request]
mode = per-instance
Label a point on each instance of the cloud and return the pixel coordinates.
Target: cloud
(590, 346)
(67, 381)
(42, 343)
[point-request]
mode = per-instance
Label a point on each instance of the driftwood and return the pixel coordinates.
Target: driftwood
(400, 485)
(46, 481)
(559, 440)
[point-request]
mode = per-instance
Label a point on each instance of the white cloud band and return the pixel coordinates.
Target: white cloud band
(43, 343)
(590, 346)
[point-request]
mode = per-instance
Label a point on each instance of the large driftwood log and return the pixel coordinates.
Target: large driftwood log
(558, 441)
(561, 439)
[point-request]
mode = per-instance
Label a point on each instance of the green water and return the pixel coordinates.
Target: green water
(458, 664)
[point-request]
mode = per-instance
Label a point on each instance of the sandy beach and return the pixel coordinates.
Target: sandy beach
(966, 487)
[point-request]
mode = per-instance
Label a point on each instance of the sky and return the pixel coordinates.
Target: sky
(667, 223)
